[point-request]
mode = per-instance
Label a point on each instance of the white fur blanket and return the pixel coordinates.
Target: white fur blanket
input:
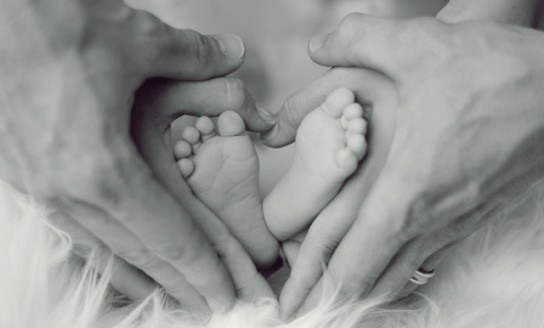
(495, 278)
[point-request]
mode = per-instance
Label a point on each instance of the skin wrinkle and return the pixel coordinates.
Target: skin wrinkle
(89, 160)
(333, 57)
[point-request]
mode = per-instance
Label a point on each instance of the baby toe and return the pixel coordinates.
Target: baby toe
(357, 144)
(186, 167)
(205, 126)
(230, 124)
(191, 135)
(182, 149)
(337, 101)
(353, 111)
(346, 160)
(357, 126)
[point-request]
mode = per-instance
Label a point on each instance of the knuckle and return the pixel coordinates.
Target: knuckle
(227, 248)
(140, 258)
(413, 199)
(349, 30)
(148, 29)
(293, 111)
(303, 278)
(146, 23)
(174, 252)
(322, 246)
(428, 32)
(353, 289)
(413, 28)
(419, 214)
(96, 179)
(197, 46)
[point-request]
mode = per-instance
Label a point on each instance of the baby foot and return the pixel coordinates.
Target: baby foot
(223, 172)
(329, 144)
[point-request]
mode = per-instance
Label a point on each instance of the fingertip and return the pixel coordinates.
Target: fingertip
(295, 293)
(317, 295)
(285, 129)
(257, 118)
(267, 116)
(288, 305)
(230, 45)
(269, 137)
(317, 42)
(189, 55)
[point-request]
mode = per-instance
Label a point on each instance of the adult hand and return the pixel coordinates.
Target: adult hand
(70, 71)
(467, 141)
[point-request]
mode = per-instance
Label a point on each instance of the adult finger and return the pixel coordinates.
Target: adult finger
(131, 248)
(426, 251)
(167, 99)
(332, 223)
(367, 84)
(394, 233)
(429, 265)
(249, 284)
(373, 239)
(401, 268)
(385, 45)
(171, 247)
(123, 277)
(181, 53)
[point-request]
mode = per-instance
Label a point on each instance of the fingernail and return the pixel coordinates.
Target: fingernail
(317, 42)
(271, 134)
(231, 45)
(267, 116)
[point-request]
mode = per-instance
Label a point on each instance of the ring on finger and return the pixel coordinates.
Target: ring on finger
(421, 276)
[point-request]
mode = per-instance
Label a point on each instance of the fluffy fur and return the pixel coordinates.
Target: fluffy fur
(495, 278)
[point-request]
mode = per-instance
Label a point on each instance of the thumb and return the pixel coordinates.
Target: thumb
(161, 101)
(385, 45)
(369, 87)
(182, 53)
(194, 56)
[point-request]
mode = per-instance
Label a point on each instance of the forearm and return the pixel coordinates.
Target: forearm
(516, 12)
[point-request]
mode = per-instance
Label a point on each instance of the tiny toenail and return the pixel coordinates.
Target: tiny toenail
(267, 116)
